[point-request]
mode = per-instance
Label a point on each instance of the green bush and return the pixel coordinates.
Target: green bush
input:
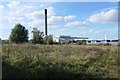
(38, 38)
(69, 42)
(81, 42)
(107, 44)
(50, 40)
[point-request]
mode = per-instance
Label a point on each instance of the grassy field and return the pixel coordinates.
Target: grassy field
(59, 61)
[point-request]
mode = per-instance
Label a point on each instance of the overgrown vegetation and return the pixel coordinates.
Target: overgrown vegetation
(59, 61)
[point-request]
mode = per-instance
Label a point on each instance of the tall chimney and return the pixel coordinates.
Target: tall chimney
(45, 22)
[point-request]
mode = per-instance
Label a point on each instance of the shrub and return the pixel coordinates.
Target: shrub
(107, 44)
(81, 42)
(50, 40)
(38, 38)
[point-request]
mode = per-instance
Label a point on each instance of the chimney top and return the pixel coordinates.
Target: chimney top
(45, 11)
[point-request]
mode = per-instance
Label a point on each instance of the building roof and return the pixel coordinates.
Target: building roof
(79, 37)
(64, 36)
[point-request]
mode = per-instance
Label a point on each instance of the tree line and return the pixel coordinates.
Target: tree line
(19, 34)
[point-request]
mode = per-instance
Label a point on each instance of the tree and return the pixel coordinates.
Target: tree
(38, 38)
(19, 34)
(50, 40)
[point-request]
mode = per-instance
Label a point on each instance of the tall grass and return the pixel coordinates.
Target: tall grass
(59, 61)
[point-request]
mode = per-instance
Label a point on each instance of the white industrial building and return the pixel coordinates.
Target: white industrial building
(100, 41)
(64, 39)
(35, 30)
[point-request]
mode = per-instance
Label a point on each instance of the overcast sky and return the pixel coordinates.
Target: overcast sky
(88, 19)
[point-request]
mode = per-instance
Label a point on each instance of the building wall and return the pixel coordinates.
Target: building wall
(101, 42)
(55, 39)
(35, 30)
(65, 39)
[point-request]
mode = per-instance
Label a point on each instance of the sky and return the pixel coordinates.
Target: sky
(78, 19)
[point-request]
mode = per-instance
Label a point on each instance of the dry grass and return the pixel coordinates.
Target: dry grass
(59, 61)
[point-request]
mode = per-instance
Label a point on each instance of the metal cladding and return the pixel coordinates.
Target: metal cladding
(46, 22)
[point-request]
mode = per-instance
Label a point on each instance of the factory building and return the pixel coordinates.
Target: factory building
(97, 41)
(35, 30)
(100, 41)
(65, 39)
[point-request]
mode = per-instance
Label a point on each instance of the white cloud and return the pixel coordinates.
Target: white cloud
(69, 17)
(10, 19)
(83, 32)
(14, 4)
(104, 17)
(50, 11)
(38, 18)
(20, 20)
(2, 7)
(59, 31)
(94, 31)
(91, 31)
(15, 19)
(17, 13)
(35, 15)
(77, 24)
(29, 7)
(40, 14)
(52, 22)
(55, 20)
(36, 24)
(53, 27)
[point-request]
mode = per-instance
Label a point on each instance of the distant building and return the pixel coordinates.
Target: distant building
(65, 39)
(35, 30)
(100, 41)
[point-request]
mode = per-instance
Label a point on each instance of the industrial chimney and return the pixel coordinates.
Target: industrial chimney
(45, 22)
